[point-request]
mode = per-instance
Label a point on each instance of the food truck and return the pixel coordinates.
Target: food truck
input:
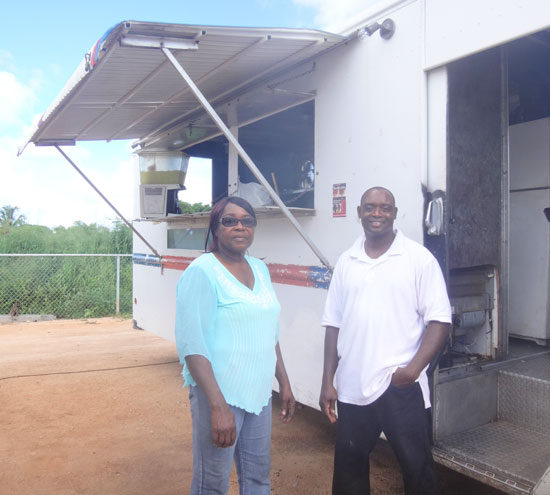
(445, 103)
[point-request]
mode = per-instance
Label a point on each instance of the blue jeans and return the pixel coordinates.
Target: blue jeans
(251, 451)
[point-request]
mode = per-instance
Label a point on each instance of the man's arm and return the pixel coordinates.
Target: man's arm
(221, 416)
(328, 397)
(434, 337)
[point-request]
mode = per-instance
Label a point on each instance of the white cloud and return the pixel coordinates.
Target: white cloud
(6, 60)
(334, 15)
(41, 183)
(117, 182)
(17, 101)
(50, 192)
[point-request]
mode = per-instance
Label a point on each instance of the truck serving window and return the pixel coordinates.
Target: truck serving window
(282, 147)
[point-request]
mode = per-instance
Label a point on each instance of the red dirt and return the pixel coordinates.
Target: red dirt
(96, 407)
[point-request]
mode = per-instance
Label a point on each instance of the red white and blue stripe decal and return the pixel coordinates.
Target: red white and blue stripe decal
(299, 275)
(146, 259)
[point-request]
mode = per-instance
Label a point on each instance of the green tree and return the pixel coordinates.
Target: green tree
(26, 239)
(193, 208)
(121, 238)
(10, 218)
(79, 238)
(68, 287)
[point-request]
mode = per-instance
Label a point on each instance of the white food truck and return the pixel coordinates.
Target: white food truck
(446, 103)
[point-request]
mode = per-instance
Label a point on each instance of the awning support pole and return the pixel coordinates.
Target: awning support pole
(153, 250)
(244, 155)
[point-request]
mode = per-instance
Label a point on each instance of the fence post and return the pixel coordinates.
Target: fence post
(117, 306)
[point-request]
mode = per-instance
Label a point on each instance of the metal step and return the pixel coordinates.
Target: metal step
(512, 452)
(524, 394)
(514, 455)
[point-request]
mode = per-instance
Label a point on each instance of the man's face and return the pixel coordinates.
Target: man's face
(377, 213)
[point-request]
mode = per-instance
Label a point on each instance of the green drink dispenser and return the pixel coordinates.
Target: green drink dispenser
(162, 176)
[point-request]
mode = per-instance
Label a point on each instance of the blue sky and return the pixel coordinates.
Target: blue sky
(42, 43)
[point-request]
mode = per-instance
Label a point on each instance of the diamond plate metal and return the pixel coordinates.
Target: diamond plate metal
(538, 367)
(524, 394)
(517, 446)
(511, 451)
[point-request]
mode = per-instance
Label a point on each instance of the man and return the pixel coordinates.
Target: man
(386, 316)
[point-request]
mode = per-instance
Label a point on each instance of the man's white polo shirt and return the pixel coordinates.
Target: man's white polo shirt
(382, 307)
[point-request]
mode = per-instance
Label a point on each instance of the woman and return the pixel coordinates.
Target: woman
(226, 333)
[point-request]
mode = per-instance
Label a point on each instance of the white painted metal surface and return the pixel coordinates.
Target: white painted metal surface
(437, 130)
(529, 314)
(456, 29)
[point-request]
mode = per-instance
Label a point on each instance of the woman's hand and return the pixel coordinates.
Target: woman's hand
(222, 419)
(223, 426)
(288, 402)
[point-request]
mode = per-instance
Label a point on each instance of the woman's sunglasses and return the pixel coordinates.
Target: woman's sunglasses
(232, 221)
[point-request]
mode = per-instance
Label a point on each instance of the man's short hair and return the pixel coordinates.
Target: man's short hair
(378, 188)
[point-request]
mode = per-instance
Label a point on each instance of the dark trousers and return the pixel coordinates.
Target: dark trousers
(401, 415)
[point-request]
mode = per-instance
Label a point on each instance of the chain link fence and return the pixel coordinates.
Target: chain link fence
(66, 285)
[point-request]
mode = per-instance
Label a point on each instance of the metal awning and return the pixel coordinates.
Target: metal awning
(129, 86)
(124, 89)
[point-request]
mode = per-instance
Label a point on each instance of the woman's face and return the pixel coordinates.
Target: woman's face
(236, 239)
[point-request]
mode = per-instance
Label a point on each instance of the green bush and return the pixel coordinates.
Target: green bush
(67, 287)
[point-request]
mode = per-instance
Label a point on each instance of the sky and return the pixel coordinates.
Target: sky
(42, 43)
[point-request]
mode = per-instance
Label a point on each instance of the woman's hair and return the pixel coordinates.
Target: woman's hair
(211, 242)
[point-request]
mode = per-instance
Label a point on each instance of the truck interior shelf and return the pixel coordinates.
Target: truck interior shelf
(261, 212)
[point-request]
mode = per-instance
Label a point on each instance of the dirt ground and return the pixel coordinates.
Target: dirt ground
(96, 407)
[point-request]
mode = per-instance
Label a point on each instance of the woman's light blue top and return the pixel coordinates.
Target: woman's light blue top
(234, 327)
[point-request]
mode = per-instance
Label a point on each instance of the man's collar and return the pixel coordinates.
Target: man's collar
(358, 247)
